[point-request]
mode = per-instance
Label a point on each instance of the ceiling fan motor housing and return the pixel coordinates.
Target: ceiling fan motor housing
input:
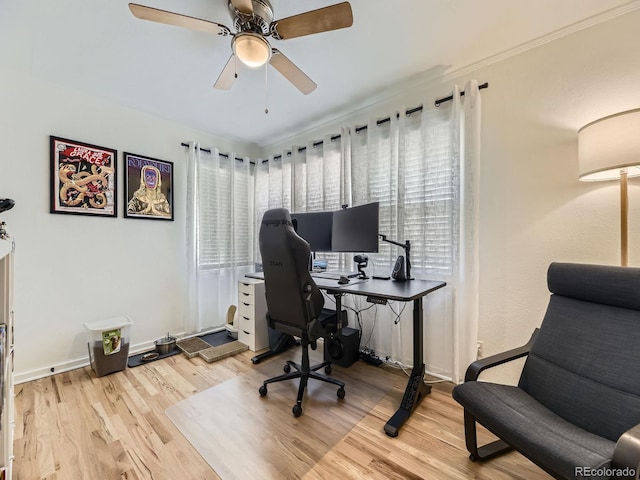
(257, 22)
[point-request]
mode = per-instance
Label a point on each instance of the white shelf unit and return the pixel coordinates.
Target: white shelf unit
(252, 314)
(7, 414)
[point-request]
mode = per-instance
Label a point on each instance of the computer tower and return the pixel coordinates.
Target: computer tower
(344, 348)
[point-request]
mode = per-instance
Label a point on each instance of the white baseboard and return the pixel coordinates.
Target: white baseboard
(22, 377)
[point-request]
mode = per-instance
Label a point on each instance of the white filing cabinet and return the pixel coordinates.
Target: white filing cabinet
(252, 314)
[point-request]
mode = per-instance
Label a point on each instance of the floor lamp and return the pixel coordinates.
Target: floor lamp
(609, 149)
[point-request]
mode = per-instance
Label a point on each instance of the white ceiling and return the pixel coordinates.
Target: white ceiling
(98, 47)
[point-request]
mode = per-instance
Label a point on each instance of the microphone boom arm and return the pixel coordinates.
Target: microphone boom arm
(407, 251)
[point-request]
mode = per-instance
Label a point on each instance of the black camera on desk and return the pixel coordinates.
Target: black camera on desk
(362, 261)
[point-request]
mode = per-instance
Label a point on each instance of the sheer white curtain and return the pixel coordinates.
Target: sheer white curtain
(422, 169)
(308, 178)
(220, 234)
(467, 300)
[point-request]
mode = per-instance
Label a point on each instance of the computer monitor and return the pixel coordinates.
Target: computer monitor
(356, 229)
(315, 228)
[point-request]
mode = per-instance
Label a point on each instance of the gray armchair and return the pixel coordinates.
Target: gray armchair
(576, 409)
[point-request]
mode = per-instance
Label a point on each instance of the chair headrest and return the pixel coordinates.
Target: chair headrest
(276, 216)
(604, 284)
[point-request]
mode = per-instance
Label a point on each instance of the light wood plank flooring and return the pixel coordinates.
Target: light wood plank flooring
(76, 426)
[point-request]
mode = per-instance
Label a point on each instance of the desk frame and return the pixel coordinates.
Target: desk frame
(406, 291)
(410, 290)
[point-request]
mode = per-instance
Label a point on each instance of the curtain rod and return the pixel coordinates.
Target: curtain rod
(419, 108)
(223, 155)
(450, 97)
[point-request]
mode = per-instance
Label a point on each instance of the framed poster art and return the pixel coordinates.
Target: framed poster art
(148, 187)
(83, 178)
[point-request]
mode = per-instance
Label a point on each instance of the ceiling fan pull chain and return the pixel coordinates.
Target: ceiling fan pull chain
(266, 89)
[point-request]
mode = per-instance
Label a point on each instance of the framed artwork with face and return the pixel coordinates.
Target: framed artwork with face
(148, 187)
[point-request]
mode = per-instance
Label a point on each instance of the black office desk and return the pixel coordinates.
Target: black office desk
(412, 290)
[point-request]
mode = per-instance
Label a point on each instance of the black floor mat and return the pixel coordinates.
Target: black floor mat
(213, 339)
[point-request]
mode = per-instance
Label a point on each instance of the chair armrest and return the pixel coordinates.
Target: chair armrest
(627, 451)
(476, 368)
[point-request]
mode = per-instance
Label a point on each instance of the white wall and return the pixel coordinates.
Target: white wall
(533, 209)
(72, 269)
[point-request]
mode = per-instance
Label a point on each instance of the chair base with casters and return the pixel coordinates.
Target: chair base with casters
(305, 371)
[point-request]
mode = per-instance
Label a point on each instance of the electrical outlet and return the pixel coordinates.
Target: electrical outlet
(479, 352)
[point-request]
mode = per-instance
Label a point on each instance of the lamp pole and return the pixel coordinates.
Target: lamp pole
(624, 214)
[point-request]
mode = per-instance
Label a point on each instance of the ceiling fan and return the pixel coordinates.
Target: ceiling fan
(253, 22)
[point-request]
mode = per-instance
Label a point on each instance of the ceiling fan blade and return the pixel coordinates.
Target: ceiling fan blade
(243, 6)
(170, 18)
(316, 21)
(229, 74)
(292, 73)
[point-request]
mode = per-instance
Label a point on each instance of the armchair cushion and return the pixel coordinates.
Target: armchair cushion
(519, 420)
(586, 352)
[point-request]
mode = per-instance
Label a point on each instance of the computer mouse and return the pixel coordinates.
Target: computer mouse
(343, 280)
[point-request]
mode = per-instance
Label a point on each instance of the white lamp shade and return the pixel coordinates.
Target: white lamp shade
(610, 145)
(252, 49)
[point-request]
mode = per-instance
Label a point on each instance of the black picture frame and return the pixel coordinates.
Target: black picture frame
(148, 187)
(83, 178)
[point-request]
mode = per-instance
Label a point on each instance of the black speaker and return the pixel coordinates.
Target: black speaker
(344, 348)
(398, 270)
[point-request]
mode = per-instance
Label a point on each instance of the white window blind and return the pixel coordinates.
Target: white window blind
(225, 193)
(408, 165)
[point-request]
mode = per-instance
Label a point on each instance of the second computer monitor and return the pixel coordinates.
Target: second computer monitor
(315, 228)
(356, 229)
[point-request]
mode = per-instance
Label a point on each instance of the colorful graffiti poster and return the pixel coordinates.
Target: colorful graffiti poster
(83, 178)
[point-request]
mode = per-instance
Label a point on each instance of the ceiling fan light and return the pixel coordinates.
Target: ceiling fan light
(252, 49)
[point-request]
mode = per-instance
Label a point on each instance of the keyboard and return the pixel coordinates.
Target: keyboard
(333, 275)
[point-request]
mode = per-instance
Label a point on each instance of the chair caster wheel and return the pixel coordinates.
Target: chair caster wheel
(287, 368)
(327, 369)
(262, 390)
(341, 393)
(297, 410)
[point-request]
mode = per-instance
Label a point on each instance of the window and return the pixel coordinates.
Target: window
(406, 164)
(225, 220)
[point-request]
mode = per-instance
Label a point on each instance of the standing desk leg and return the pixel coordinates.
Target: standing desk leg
(416, 388)
(338, 298)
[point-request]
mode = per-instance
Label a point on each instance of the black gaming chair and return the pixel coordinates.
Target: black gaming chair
(294, 301)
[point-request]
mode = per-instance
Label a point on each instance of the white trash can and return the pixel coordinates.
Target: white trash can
(108, 344)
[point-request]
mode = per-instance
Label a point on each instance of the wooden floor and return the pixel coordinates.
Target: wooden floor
(76, 426)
